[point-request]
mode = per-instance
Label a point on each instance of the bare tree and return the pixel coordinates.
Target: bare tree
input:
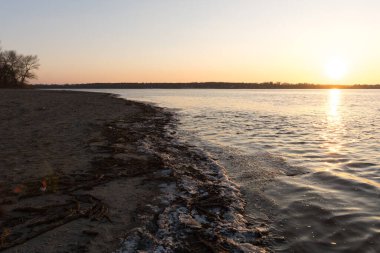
(28, 64)
(7, 72)
(17, 69)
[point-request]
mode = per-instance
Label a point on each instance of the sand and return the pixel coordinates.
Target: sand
(61, 138)
(89, 172)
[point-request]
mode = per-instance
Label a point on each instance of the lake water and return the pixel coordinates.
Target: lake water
(307, 160)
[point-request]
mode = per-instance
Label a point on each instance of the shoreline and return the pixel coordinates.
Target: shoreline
(67, 153)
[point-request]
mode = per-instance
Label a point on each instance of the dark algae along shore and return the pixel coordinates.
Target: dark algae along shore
(88, 172)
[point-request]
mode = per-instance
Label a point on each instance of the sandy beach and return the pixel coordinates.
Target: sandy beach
(89, 172)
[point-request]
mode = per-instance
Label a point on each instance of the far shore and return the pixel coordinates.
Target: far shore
(206, 85)
(90, 172)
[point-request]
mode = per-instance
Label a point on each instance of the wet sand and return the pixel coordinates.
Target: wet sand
(89, 172)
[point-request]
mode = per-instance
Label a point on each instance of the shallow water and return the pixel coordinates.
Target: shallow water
(330, 136)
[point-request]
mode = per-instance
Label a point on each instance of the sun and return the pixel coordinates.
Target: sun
(336, 69)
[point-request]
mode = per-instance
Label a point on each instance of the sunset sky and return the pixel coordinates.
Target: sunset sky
(81, 41)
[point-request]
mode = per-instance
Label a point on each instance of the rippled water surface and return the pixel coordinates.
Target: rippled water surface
(333, 136)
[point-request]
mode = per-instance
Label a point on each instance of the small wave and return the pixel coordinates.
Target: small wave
(360, 165)
(335, 160)
(343, 180)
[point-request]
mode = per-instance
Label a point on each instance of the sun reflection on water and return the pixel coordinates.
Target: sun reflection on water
(334, 102)
(333, 132)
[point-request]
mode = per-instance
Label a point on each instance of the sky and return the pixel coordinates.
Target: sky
(296, 41)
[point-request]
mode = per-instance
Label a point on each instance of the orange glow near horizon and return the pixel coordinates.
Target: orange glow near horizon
(231, 67)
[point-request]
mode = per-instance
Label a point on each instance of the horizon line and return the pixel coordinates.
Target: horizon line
(212, 82)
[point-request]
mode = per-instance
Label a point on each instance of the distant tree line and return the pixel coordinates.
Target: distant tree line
(16, 69)
(207, 85)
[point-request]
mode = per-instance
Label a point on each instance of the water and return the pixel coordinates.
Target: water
(329, 137)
